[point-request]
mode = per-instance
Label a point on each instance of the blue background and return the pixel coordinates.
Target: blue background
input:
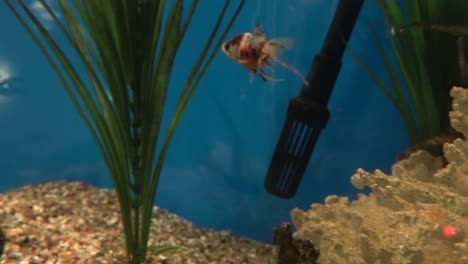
(218, 159)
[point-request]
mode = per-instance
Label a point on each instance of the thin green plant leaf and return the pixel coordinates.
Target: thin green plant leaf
(454, 30)
(160, 249)
(397, 103)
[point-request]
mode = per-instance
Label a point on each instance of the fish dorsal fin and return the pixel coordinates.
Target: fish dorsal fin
(258, 30)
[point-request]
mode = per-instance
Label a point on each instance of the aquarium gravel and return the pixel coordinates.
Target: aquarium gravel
(72, 222)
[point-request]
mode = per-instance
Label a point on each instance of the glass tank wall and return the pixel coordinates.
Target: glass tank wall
(214, 172)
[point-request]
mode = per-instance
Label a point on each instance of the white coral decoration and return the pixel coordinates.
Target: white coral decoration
(403, 219)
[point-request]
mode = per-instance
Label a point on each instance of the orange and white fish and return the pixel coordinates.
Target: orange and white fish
(253, 51)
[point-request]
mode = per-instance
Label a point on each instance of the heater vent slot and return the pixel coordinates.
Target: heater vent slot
(298, 138)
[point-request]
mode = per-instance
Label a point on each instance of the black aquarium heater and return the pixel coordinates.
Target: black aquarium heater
(308, 112)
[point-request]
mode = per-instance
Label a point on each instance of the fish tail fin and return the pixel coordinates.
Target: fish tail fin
(269, 65)
(291, 68)
(265, 77)
(252, 76)
(277, 45)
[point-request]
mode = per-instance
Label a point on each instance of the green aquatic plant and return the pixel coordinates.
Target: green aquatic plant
(127, 49)
(427, 62)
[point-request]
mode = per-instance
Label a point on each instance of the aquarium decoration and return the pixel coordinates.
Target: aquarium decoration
(307, 113)
(2, 241)
(418, 214)
(429, 52)
(293, 250)
(127, 49)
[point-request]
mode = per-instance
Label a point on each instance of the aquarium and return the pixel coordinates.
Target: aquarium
(157, 131)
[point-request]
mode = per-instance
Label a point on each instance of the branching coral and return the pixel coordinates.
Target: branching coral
(403, 219)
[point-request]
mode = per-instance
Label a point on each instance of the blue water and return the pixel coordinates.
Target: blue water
(218, 159)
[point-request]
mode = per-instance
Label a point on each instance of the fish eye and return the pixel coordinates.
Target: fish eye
(227, 45)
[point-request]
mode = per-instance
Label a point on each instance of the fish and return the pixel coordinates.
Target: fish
(256, 53)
